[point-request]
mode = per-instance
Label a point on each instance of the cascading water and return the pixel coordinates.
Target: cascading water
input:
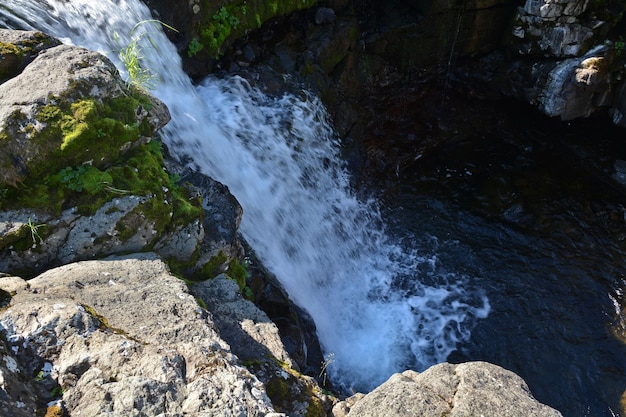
(379, 308)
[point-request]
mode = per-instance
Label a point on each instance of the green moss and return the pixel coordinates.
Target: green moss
(279, 392)
(11, 56)
(238, 273)
(201, 303)
(86, 130)
(103, 323)
(289, 387)
(214, 266)
(154, 211)
(222, 25)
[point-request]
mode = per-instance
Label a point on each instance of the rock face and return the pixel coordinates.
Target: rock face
(119, 337)
(81, 176)
(576, 87)
(47, 112)
(571, 69)
(556, 28)
(468, 389)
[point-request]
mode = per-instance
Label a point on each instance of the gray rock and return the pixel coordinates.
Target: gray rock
(469, 389)
(123, 337)
(555, 28)
(26, 46)
(576, 87)
(247, 329)
(59, 74)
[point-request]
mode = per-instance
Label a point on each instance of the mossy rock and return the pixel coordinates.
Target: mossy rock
(218, 26)
(19, 48)
(82, 113)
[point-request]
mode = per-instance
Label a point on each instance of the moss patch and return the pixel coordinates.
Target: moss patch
(289, 387)
(221, 25)
(214, 267)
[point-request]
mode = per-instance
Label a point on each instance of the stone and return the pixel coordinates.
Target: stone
(247, 329)
(576, 87)
(20, 48)
(324, 15)
(102, 188)
(60, 83)
(467, 389)
(123, 337)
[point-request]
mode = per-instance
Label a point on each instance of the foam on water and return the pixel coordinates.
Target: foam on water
(280, 158)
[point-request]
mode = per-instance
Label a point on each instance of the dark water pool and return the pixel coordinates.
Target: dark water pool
(529, 212)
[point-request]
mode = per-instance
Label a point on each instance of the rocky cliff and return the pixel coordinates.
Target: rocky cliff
(402, 78)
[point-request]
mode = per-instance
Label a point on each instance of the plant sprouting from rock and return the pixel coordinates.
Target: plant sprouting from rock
(328, 359)
(132, 56)
(34, 231)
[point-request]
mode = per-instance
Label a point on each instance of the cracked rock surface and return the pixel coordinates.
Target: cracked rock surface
(118, 337)
(468, 389)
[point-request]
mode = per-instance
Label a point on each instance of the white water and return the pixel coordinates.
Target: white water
(279, 157)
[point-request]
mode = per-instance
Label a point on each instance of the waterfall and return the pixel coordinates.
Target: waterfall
(379, 307)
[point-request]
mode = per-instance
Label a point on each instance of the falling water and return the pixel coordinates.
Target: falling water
(379, 307)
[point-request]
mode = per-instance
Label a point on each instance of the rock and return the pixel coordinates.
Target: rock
(555, 28)
(247, 329)
(20, 48)
(576, 87)
(324, 15)
(255, 339)
(87, 179)
(65, 99)
(122, 337)
(468, 389)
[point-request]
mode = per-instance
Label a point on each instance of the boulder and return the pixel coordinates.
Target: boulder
(69, 106)
(118, 337)
(467, 389)
(82, 177)
(576, 87)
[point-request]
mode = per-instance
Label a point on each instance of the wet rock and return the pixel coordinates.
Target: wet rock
(324, 15)
(468, 389)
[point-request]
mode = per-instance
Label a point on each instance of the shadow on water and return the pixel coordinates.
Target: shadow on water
(533, 216)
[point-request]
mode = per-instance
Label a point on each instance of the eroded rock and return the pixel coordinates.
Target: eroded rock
(122, 337)
(468, 389)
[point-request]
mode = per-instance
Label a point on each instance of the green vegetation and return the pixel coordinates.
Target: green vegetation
(201, 303)
(214, 267)
(79, 142)
(103, 323)
(34, 231)
(132, 54)
(235, 19)
(288, 387)
(619, 46)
